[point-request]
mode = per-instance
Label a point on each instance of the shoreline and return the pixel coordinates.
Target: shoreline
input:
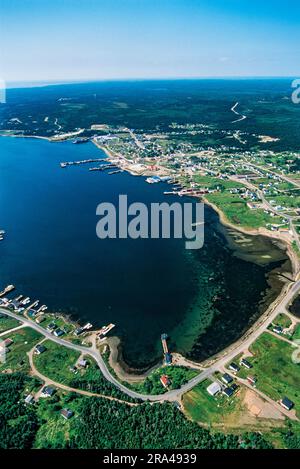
(129, 374)
(117, 361)
(39, 137)
(125, 373)
(295, 261)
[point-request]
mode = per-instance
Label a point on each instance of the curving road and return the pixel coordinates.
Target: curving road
(175, 394)
(48, 381)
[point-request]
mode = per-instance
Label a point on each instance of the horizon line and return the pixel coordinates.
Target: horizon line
(12, 84)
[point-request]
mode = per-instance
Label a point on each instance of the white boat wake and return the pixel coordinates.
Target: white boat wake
(242, 117)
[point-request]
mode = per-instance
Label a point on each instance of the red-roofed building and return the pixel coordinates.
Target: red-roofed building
(164, 381)
(8, 342)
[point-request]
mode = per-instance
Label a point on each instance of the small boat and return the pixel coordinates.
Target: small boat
(25, 301)
(105, 330)
(87, 326)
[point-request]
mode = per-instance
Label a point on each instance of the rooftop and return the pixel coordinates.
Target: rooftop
(214, 388)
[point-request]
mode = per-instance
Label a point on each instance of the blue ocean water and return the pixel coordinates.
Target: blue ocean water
(146, 287)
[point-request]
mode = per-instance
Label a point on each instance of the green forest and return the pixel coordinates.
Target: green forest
(103, 424)
(111, 425)
(18, 423)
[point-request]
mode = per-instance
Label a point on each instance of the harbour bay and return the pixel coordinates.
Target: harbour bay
(146, 287)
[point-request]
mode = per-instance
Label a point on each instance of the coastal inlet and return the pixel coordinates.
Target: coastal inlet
(145, 287)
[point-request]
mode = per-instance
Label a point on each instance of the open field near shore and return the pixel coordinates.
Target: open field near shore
(178, 375)
(7, 323)
(60, 364)
(283, 321)
(23, 341)
(56, 361)
(236, 211)
(202, 407)
(243, 410)
(277, 375)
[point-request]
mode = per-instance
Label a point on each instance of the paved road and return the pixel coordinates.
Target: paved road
(137, 141)
(270, 207)
(283, 176)
(176, 393)
(50, 382)
(12, 330)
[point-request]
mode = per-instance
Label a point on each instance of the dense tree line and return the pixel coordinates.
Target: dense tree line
(100, 423)
(292, 440)
(113, 425)
(18, 423)
(99, 385)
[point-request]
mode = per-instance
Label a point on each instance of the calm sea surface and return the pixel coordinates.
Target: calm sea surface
(202, 299)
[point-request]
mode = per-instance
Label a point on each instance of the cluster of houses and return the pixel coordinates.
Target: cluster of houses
(19, 304)
(225, 386)
(53, 329)
(252, 380)
(14, 305)
(49, 391)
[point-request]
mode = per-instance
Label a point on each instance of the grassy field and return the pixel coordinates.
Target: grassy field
(277, 375)
(178, 376)
(16, 358)
(212, 182)
(286, 200)
(56, 361)
(55, 430)
(7, 323)
(296, 333)
(55, 364)
(204, 408)
(227, 414)
(232, 205)
(295, 248)
(282, 320)
(237, 212)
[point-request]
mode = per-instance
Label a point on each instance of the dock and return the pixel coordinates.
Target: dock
(7, 289)
(102, 167)
(25, 301)
(116, 171)
(105, 330)
(164, 338)
(168, 357)
(72, 163)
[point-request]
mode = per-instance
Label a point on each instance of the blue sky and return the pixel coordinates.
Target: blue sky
(103, 39)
